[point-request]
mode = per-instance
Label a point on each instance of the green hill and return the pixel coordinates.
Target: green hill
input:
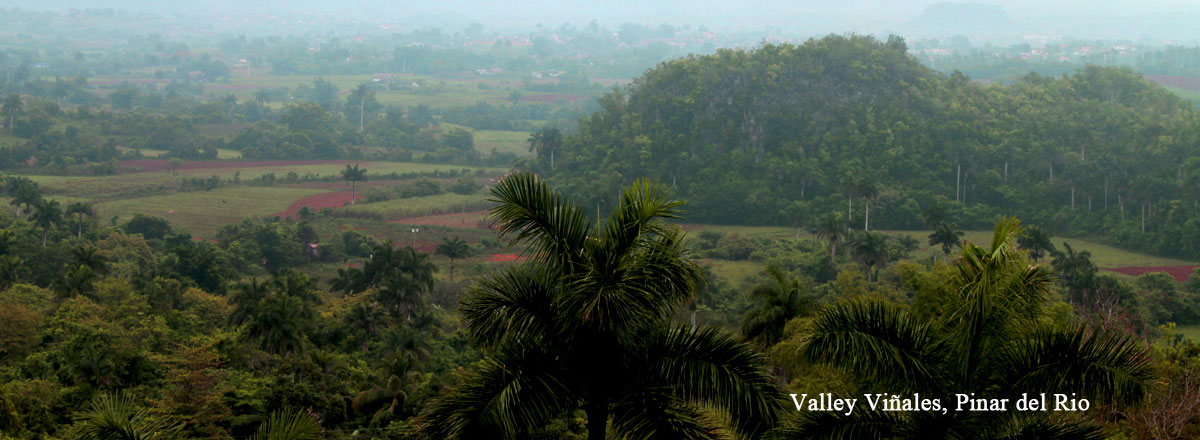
(785, 133)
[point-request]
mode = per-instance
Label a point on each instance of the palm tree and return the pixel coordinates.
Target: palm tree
(23, 192)
(452, 249)
(1076, 270)
(47, 213)
(868, 189)
(366, 317)
(990, 342)
(12, 105)
(117, 417)
(947, 236)
(296, 284)
(1037, 242)
(361, 93)
(402, 295)
(872, 251)
(80, 209)
(280, 323)
(348, 280)
(778, 301)
(353, 175)
(546, 141)
(246, 298)
(831, 228)
(585, 325)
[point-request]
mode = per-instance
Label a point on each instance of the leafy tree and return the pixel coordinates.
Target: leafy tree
(947, 235)
(280, 323)
(1036, 241)
(777, 301)
(47, 214)
(453, 249)
(116, 417)
(353, 175)
(584, 326)
(991, 343)
(1076, 270)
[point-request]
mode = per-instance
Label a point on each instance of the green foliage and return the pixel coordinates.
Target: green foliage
(117, 417)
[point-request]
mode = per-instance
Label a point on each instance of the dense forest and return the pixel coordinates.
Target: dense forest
(785, 134)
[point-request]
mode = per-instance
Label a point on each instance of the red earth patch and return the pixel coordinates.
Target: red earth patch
(1180, 273)
(149, 165)
(1179, 82)
(506, 257)
(335, 199)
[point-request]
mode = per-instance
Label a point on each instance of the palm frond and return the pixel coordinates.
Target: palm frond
(710, 366)
(1094, 363)
(289, 424)
(859, 425)
(117, 417)
(878, 342)
(529, 212)
(513, 302)
(1038, 428)
(655, 413)
(516, 389)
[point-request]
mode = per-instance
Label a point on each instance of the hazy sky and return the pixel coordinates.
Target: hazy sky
(1103, 17)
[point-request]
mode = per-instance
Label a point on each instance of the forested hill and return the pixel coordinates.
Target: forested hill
(785, 134)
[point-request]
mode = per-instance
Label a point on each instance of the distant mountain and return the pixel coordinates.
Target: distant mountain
(974, 20)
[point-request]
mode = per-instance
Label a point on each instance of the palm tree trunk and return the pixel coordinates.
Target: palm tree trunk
(80, 233)
(452, 270)
(46, 232)
(552, 163)
(597, 421)
(867, 221)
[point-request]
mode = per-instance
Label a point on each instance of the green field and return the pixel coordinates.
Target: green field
(516, 142)
(201, 212)
(153, 183)
(1102, 255)
(416, 206)
(1189, 331)
(1191, 95)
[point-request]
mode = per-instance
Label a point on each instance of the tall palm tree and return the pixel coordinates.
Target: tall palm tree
(545, 142)
(868, 189)
(353, 175)
(46, 214)
(12, 105)
(117, 417)
(296, 284)
(1037, 242)
(585, 325)
(831, 228)
(778, 301)
(452, 249)
(947, 235)
(990, 343)
(80, 209)
(871, 250)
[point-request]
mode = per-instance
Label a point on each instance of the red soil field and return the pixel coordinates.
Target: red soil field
(506, 257)
(161, 164)
(1180, 273)
(1181, 82)
(335, 199)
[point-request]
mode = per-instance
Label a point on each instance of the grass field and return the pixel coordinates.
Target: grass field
(1189, 331)
(398, 209)
(201, 212)
(1102, 255)
(516, 142)
(1191, 95)
(150, 183)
